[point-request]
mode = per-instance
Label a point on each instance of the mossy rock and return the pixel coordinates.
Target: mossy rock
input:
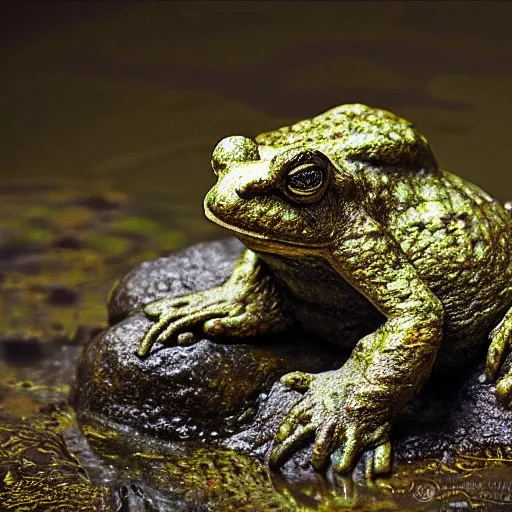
(211, 389)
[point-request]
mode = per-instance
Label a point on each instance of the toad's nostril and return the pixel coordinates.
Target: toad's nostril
(245, 192)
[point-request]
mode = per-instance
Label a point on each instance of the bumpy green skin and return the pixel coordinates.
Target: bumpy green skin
(356, 234)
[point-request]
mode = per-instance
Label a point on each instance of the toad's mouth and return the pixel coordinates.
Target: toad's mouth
(258, 241)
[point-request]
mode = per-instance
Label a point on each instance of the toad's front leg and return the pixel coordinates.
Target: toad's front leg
(343, 418)
(350, 410)
(247, 304)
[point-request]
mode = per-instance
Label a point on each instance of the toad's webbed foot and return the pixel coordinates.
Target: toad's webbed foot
(175, 316)
(246, 305)
(343, 426)
(501, 343)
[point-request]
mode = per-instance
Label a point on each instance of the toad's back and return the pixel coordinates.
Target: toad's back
(456, 236)
(459, 240)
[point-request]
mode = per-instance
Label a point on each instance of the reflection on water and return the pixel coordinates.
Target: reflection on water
(109, 115)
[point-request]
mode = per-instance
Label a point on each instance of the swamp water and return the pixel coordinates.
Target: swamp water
(61, 250)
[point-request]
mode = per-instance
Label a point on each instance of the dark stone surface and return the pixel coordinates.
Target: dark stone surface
(457, 413)
(228, 390)
(208, 390)
(199, 267)
(452, 415)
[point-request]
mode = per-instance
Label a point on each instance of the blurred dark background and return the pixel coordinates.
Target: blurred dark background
(137, 94)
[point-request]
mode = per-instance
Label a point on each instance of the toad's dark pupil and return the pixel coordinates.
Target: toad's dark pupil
(307, 179)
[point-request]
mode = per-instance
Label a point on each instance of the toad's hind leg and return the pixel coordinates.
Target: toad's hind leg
(501, 343)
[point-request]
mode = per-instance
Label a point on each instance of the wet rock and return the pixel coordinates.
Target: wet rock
(453, 415)
(199, 267)
(209, 390)
(227, 390)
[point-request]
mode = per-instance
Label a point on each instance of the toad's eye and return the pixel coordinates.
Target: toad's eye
(306, 179)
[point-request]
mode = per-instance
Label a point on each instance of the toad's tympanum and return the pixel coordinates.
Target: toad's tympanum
(355, 234)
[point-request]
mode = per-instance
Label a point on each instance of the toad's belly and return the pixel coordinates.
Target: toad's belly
(323, 302)
(327, 305)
